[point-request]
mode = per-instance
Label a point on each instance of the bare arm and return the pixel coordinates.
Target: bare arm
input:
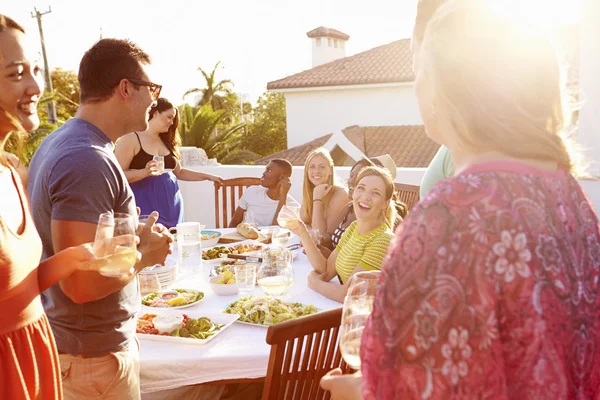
(85, 286)
(185, 174)
(238, 217)
(322, 265)
(127, 147)
(331, 290)
(338, 201)
(58, 267)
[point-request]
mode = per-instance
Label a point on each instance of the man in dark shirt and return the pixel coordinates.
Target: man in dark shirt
(74, 177)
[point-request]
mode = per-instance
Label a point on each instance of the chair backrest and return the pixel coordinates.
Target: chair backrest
(226, 200)
(302, 351)
(408, 194)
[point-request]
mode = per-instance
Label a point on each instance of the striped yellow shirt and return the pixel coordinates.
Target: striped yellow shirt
(366, 250)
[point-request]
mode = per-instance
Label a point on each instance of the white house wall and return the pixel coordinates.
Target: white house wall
(312, 114)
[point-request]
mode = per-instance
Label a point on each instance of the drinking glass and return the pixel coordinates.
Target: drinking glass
(245, 277)
(358, 305)
(280, 237)
(288, 217)
(115, 246)
(160, 164)
(250, 219)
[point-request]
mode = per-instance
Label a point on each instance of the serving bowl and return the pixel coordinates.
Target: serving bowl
(229, 289)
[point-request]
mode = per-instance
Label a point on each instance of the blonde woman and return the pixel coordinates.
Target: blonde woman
(492, 287)
(322, 199)
(363, 244)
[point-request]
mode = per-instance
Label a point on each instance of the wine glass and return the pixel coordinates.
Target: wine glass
(280, 237)
(288, 217)
(358, 305)
(115, 245)
(275, 275)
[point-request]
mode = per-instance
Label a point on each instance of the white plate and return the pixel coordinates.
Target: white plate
(176, 307)
(262, 325)
(222, 319)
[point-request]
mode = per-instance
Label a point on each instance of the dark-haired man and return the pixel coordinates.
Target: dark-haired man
(265, 201)
(74, 177)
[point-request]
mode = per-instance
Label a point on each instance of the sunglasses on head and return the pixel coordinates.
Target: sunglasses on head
(152, 87)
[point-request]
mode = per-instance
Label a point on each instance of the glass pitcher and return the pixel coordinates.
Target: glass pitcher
(275, 275)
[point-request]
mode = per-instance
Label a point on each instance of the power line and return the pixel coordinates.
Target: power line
(50, 106)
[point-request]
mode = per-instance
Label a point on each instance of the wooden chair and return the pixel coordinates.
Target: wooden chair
(408, 194)
(295, 374)
(231, 192)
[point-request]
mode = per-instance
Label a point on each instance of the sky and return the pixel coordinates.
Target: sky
(257, 41)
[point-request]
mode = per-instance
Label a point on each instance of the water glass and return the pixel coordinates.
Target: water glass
(160, 164)
(250, 219)
(115, 244)
(245, 276)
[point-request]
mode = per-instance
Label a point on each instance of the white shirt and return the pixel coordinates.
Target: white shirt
(262, 207)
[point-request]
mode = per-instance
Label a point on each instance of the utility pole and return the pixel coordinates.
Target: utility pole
(50, 105)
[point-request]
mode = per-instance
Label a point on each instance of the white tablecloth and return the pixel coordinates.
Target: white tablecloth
(238, 352)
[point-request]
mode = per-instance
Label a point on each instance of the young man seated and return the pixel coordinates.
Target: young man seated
(265, 201)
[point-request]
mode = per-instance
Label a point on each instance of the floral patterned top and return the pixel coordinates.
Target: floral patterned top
(490, 290)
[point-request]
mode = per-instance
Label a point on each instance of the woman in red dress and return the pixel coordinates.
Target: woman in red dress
(29, 366)
(491, 286)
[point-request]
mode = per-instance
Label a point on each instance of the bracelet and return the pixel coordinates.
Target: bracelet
(317, 200)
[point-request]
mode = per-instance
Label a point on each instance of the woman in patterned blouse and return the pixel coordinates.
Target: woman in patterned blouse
(491, 287)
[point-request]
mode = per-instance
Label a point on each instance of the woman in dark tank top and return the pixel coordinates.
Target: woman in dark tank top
(156, 191)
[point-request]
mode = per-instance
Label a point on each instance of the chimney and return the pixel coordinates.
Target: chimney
(327, 45)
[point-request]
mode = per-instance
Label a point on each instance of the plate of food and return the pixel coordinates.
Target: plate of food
(172, 298)
(266, 311)
(247, 248)
(196, 328)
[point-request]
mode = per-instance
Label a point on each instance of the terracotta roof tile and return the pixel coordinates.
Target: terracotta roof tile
(408, 145)
(390, 63)
(296, 155)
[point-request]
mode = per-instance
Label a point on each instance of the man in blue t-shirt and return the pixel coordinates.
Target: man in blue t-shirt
(73, 178)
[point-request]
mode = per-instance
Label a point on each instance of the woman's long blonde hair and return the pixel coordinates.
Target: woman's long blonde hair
(388, 214)
(308, 187)
(500, 84)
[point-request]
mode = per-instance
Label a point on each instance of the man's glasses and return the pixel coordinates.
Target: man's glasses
(152, 87)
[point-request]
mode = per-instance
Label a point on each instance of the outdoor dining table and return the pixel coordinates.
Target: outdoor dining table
(239, 353)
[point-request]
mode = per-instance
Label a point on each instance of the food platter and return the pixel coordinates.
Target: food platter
(161, 298)
(247, 248)
(266, 311)
(223, 321)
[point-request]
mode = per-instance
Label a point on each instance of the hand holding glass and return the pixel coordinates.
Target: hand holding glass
(358, 305)
(115, 244)
(288, 217)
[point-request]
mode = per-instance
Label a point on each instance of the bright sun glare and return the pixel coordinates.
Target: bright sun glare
(541, 12)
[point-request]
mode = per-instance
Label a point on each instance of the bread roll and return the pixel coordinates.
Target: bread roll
(247, 231)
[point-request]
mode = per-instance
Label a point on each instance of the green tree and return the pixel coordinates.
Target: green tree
(66, 93)
(213, 93)
(200, 127)
(267, 133)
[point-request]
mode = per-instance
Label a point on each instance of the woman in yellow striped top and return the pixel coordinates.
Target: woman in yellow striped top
(364, 244)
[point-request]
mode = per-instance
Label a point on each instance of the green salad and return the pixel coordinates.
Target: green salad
(267, 311)
(201, 328)
(172, 298)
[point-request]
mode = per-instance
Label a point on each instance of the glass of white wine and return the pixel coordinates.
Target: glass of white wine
(358, 305)
(115, 245)
(289, 215)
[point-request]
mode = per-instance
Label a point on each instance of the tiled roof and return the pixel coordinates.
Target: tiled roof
(297, 155)
(327, 32)
(408, 145)
(390, 63)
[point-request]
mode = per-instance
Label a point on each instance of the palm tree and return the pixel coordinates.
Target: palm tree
(200, 127)
(214, 93)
